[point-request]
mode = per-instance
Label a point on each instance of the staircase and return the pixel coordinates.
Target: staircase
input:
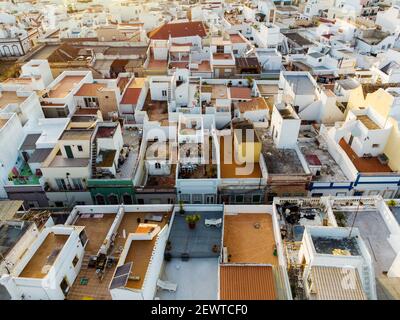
(94, 158)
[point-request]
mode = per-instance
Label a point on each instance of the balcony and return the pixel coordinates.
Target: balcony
(23, 175)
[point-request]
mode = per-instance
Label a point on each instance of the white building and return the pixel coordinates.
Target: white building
(49, 267)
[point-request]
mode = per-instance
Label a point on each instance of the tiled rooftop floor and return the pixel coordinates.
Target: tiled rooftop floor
(44, 256)
(246, 243)
(233, 169)
(364, 164)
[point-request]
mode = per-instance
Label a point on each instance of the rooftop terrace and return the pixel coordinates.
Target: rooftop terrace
(311, 145)
(368, 122)
(64, 87)
(10, 97)
(249, 238)
(279, 161)
(364, 164)
(44, 257)
(229, 166)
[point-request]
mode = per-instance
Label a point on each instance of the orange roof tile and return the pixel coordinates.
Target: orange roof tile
(246, 282)
(131, 96)
(177, 30)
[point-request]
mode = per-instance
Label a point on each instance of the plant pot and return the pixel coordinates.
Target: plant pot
(192, 225)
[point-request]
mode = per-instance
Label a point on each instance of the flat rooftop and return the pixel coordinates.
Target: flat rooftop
(156, 110)
(140, 251)
(310, 146)
(10, 234)
(96, 230)
(268, 89)
(60, 162)
(10, 97)
(368, 122)
(45, 256)
(300, 83)
(249, 238)
(328, 245)
(197, 243)
(202, 287)
(298, 39)
(64, 87)
(370, 164)
(279, 161)
(230, 168)
(76, 134)
(219, 91)
(375, 234)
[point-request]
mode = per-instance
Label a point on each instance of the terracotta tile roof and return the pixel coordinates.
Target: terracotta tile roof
(258, 103)
(246, 282)
(240, 93)
(89, 89)
(131, 96)
(328, 284)
(177, 30)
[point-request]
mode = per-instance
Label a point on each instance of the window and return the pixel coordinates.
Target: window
(317, 195)
(113, 199)
(61, 184)
(247, 199)
(77, 183)
(375, 145)
(127, 199)
(100, 199)
(239, 199)
(80, 148)
(75, 261)
(197, 198)
(140, 201)
(256, 198)
(64, 286)
(158, 165)
(185, 198)
(164, 93)
(235, 51)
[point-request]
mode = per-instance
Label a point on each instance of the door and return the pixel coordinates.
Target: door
(351, 140)
(64, 286)
(68, 151)
(209, 199)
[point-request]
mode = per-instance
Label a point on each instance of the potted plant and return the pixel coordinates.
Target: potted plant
(250, 81)
(181, 210)
(192, 220)
(391, 203)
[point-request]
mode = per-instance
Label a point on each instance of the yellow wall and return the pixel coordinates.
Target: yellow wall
(248, 152)
(381, 102)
